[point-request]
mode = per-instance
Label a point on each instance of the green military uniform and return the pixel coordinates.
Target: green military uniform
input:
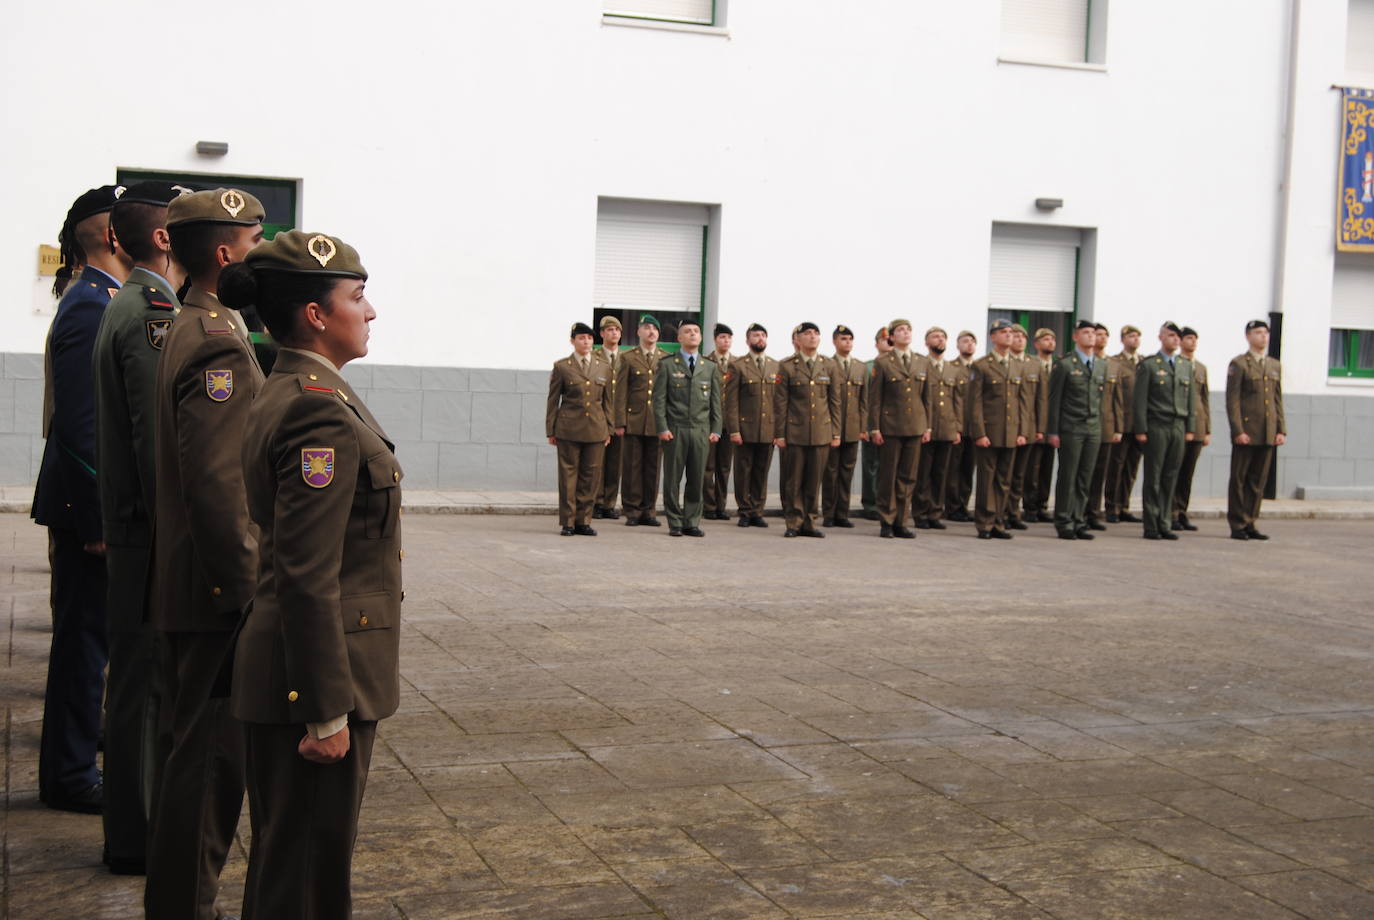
(1124, 463)
(634, 411)
(806, 403)
(1165, 410)
(1192, 451)
(1112, 412)
(687, 402)
(578, 415)
(611, 461)
(719, 454)
(851, 379)
(959, 479)
(1254, 407)
(948, 384)
(998, 393)
(749, 413)
(1074, 415)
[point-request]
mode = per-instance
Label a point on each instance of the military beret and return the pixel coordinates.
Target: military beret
(1084, 324)
(1172, 327)
(882, 333)
(807, 327)
(722, 329)
(92, 202)
(756, 327)
(966, 332)
(1187, 331)
(936, 329)
(893, 324)
(1101, 326)
(1017, 327)
(609, 320)
(648, 319)
(1042, 332)
(306, 253)
(580, 328)
(1127, 330)
(842, 329)
(1256, 324)
(1000, 324)
(160, 194)
(220, 206)
(689, 321)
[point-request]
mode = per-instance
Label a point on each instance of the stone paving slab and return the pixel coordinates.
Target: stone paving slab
(746, 727)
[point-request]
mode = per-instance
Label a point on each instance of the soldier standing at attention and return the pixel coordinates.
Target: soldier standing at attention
(959, 480)
(1201, 438)
(806, 404)
(1254, 409)
(720, 452)
(899, 423)
(749, 421)
(1034, 407)
(997, 414)
(1112, 410)
(687, 414)
(127, 349)
(851, 378)
(1039, 478)
(634, 413)
(67, 503)
(609, 351)
(1125, 459)
(868, 453)
(1165, 412)
(577, 420)
(205, 560)
(1074, 428)
(947, 384)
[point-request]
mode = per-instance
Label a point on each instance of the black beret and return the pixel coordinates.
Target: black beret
(580, 328)
(842, 330)
(756, 327)
(93, 202)
(1172, 327)
(689, 322)
(1187, 331)
(160, 194)
(722, 329)
(1084, 324)
(808, 327)
(1101, 326)
(1256, 324)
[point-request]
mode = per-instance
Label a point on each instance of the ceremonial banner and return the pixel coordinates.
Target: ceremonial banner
(1355, 210)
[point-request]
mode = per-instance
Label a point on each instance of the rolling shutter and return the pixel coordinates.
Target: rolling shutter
(1352, 291)
(649, 255)
(698, 11)
(1359, 36)
(1033, 268)
(1045, 30)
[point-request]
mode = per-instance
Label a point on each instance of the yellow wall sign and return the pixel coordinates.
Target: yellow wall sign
(49, 260)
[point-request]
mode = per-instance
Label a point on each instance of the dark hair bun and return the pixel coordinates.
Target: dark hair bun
(238, 286)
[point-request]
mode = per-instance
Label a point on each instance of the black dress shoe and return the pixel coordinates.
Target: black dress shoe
(1084, 534)
(743, 521)
(1044, 517)
(985, 534)
(649, 521)
(1240, 535)
(1168, 535)
(693, 532)
(1185, 524)
(828, 522)
(921, 525)
(85, 802)
(962, 516)
(1068, 535)
(610, 514)
(123, 865)
(845, 522)
(1113, 519)
(1128, 518)
(811, 532)
(1254, 534)
(885, 531)
(674, 531)
(1096, 525)
(584, 530)
(598, 513)
(999, 534)
(789, 532)
(1015, 524)
(903, 533)
(1152, 536)
(756, 520)
(937, 525)
(567, 531)
(631, 522)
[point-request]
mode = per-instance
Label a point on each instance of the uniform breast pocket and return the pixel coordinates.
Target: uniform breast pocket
(383, 496)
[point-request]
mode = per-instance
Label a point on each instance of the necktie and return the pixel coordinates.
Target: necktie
(906, 361)
(1171, 360)
(691, 364)
(1090, 366)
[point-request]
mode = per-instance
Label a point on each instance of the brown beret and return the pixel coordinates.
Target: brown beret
(609, 320)
(1017, 327)
(220, 206)
(936, 329)
(307, 253)
(1043, 331)
(893, 324)
(1127, 330)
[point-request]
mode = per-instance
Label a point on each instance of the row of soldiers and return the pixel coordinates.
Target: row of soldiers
(923, 424)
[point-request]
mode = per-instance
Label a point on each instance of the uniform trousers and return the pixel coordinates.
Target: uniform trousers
(898, 460)
(838, 483)
(994, 486)
(868, 489)
(305, 822)
(579, 476)
(1249, 474)
(1184, 490)
(610, 473)
(1122, 467)
(717, 486)
(1039, 482)
(639, 475)
(928, 500)
(1078, 452)
(684, 458)
(76, 662)
(1097, 490)
(1016, 490)
(803, 467)
(199, 791)
(751, 477)
(131, 706)
(1163, 456)
(959, 481)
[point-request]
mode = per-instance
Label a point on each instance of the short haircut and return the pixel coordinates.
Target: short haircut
(194, 244)
(133, 223)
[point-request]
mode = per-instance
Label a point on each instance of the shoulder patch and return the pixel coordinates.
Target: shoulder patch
(219, 385)
(317, 466)
(157, 332)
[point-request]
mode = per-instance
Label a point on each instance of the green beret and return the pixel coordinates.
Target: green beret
(607, 321)
(306, 253)
(220, 206)
(648, 319)
(897, 322)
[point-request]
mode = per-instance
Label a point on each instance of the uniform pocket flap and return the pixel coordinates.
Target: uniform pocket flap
(384, 471)
(367, 611)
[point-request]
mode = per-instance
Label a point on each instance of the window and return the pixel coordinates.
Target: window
(651, 257)
(696, 12)
(1033, 277)
(1359, 36)
(1352, 316)
(1054, 31)
(278, 196)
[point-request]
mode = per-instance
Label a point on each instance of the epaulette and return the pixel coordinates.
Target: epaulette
(216, 323)
(310, 387)
(157, 299)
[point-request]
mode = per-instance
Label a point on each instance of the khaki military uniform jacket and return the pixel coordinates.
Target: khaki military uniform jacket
(1113, 398)
(127, 349)
(806, 401)
(612, 361)
(1038, 405)
(579, 406)
(1163, 393)
(998, 395)
(634, 391)
(948, 384)
(1254, 398)
(898, 397)
(205, 564)
(853, 384)
(323, 485)
(1126, 368)
(1204, 398)
(749, 401)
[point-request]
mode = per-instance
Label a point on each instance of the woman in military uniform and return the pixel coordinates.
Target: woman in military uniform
(577, 420)
(317, 659)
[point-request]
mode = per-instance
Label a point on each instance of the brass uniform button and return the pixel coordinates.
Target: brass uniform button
(213, 314)
(395, 476)
(401, 554)
(216, 592)
(313, 377)
(293, 696)
(362, 620)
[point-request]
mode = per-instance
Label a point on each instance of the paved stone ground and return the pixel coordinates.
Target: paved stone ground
(753, 728)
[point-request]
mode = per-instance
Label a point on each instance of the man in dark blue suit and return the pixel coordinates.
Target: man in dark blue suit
(67, 503)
